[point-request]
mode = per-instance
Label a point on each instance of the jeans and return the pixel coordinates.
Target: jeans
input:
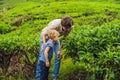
(56, 63)
(38, 70)
(44, 71)
(57, 60)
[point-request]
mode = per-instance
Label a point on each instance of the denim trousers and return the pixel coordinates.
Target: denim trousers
(56, 62)
(44, 71)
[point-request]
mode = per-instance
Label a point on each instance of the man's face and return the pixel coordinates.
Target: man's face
(65, 29)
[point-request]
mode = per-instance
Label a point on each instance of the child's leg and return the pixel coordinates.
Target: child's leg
(57, 60)
(44, 71)
(41, 71)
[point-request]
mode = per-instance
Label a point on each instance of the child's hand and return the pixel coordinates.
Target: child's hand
(47, 64)
(59, 54)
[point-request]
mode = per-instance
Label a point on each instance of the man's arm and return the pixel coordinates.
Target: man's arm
(52, 25)
(64, 37)
(43, 38)
(46, 56)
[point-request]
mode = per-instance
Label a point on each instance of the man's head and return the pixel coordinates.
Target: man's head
(53, 35)
(67, 23)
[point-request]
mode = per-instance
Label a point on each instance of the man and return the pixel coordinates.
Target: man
(63, 26)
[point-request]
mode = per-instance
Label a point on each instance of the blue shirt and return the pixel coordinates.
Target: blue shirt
(50, 44)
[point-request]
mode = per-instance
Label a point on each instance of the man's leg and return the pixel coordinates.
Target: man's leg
(57, 60)
(38, 63)
(38, 70)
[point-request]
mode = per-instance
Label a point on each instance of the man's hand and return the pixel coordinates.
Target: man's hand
(47, 64)
(59, 54)
(42, 46)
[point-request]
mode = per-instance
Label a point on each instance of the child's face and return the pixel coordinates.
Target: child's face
(55, 39)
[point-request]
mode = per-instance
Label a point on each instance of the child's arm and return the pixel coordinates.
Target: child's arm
(46, 56)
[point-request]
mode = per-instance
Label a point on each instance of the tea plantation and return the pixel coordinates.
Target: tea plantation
(91, 51)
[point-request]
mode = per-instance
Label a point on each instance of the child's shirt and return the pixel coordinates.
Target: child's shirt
(50, 44)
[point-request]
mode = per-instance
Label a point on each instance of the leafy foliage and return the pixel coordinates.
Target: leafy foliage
(96, 34)
(96, 49)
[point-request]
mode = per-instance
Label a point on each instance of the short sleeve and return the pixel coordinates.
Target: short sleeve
(49, 45)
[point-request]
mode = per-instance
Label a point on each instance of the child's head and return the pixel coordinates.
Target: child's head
(67, 23)
(53, 35)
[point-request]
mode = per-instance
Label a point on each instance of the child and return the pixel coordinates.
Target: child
(46, 55)
(63, 26)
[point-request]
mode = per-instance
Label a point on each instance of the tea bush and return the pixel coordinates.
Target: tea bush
(96, 49)
(96, 32)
